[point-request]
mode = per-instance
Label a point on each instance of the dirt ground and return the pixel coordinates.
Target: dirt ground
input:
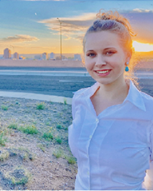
(38, 159)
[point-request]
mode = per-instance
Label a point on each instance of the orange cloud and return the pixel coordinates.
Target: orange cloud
(142, 47)
(19, 39)
(73, 27)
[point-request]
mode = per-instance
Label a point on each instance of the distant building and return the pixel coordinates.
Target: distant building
(21, 57)
(7, 53)
(77, 57)
(16, 55)
(44, 56)
(52, 56)
(59, 57)
(38, 57)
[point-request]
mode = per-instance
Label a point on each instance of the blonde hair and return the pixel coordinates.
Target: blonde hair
(114, 22)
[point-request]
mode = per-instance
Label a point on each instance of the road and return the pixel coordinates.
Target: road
(53, 81)
(49, 81)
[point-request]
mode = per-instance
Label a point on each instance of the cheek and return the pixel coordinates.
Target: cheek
(89, 64)
(116, 63)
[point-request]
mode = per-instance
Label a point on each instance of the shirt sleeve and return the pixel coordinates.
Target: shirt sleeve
(151, 143)
(73, 106)
(70, 129)
(148, 182)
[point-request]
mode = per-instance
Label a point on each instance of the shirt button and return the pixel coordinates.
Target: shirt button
(90, 137)
(97, 120)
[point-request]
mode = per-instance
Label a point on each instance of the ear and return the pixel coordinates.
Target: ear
(128, 56)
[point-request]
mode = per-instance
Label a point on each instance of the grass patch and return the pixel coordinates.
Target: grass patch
(18, 176)
(25, 154)
(70, 160)
(65, 101)
(4, 155)
(47, 123)
(2, 139)
(59, 126)
(29, 129)
(13, 126)
(47, 136)
(40, 106)
(4, 107)
(41, 147)
(58, 140)
(58, 153)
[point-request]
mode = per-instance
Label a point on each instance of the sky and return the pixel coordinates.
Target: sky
(32, 27)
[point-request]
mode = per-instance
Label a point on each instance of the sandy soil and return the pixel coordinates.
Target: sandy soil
(32, 161)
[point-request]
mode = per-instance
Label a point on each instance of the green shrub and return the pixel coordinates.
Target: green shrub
(40, 106)
(2, 139)
(48, 136)
(29, 129)
(65, 102)
(59, 126)
(70, 160)
(57, 153)
(13, 126)
(58, 140)
(4, 107)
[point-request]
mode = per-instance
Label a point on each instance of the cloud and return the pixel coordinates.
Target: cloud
(141, 23)
(42, 0)
(142, 10)
(73, 27)
(19, 39)
(71, 0)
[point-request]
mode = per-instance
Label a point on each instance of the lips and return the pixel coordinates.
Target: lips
(102, 71)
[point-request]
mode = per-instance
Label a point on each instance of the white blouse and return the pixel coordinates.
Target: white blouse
(115, 148)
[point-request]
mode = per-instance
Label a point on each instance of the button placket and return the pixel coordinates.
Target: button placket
(97, 120)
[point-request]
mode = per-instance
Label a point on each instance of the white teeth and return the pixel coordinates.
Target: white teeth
(102, 71)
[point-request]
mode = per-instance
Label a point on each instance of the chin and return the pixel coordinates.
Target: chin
(105, 81)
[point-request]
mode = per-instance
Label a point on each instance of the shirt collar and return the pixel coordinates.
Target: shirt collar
(134, 95)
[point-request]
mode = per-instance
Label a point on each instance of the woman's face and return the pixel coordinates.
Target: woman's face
(104, 57)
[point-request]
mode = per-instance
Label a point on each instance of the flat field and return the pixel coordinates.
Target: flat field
(41, 63)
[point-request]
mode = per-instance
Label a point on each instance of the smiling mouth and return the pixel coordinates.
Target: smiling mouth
(103, 71)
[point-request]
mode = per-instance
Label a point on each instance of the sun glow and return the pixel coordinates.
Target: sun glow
(142, 47)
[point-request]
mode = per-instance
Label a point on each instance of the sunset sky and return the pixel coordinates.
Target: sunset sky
(31, 26)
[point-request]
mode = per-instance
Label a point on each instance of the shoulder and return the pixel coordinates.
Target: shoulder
(148, 101)
(83, 94)
(147, 98)
(81, 91)
(84, 91)
(80, 94)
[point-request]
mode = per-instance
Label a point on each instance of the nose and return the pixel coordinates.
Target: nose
(100, 61)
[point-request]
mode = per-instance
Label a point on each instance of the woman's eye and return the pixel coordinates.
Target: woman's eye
(109, 52)
(91, 54)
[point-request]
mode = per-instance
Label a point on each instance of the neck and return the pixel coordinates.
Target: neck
(117, 90)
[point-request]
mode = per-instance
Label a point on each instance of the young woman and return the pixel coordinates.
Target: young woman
(112, 131)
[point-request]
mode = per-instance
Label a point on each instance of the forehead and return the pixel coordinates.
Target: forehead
(102, 39)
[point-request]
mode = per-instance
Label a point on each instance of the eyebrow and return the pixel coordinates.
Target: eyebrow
(104, 49)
